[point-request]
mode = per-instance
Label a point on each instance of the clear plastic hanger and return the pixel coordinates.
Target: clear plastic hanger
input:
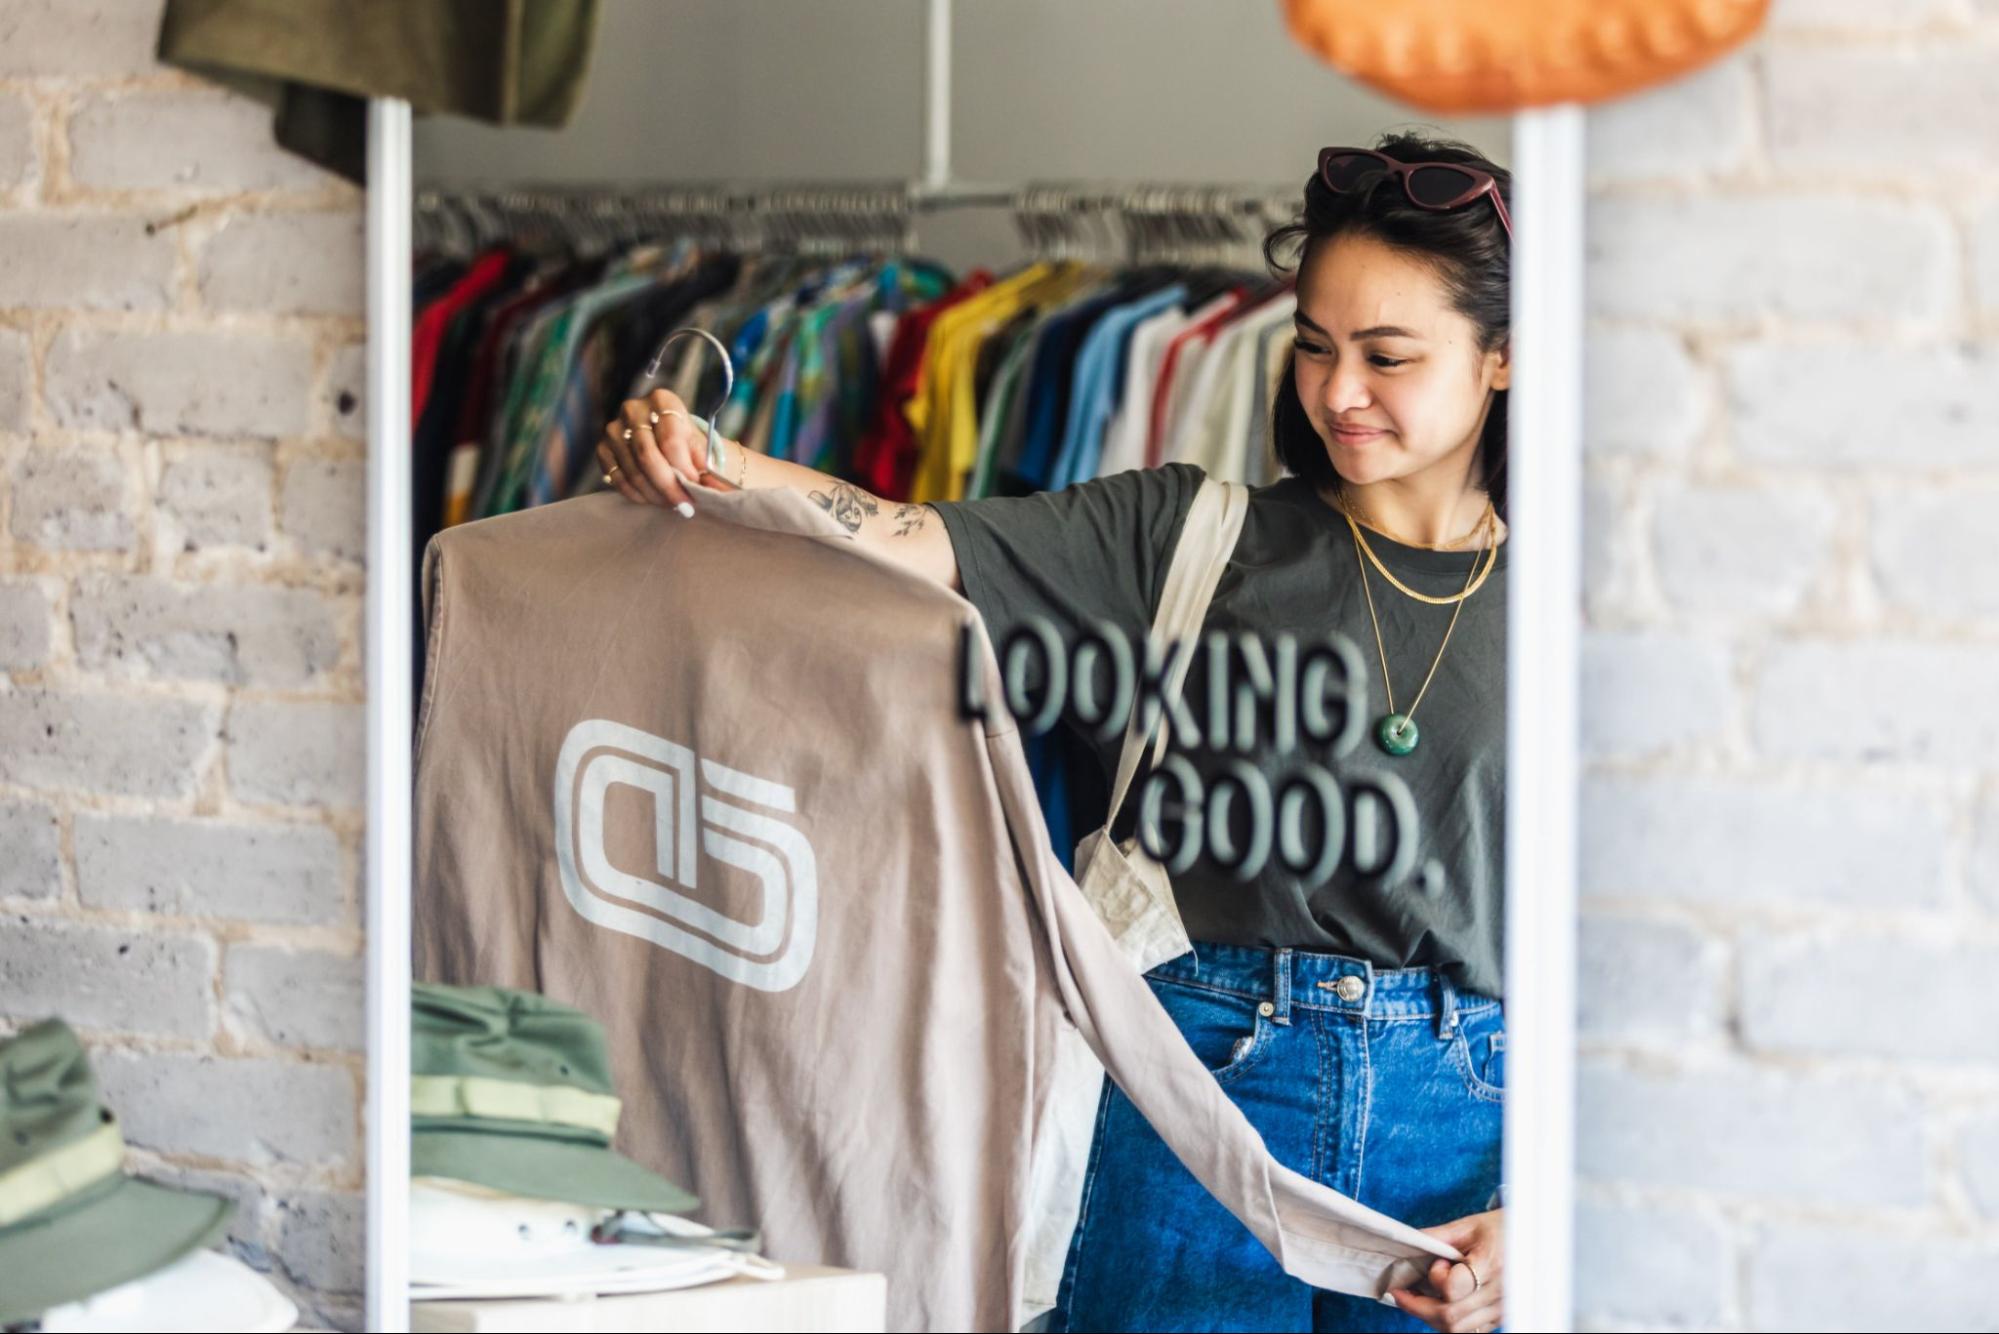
(713, 458)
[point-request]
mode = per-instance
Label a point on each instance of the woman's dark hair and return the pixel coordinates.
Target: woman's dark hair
(1466, 247)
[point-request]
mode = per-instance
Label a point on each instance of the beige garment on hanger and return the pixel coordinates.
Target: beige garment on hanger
(708, 780)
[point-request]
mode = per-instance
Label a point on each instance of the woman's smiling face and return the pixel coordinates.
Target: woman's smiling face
(1390, 374)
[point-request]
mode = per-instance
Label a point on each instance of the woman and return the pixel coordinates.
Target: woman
(1357, 1023)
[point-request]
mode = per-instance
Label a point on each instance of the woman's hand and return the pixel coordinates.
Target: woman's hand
(663, 460)
(1466, 1295)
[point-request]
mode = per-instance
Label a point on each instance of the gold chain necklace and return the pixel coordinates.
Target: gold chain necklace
(1491, 555)
(1396, 732)
(1477, 527)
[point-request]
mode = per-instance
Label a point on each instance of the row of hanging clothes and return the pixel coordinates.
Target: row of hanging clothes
(534, 318)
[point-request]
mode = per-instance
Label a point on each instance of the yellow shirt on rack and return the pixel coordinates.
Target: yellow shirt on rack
(943, 412)
(928, 408)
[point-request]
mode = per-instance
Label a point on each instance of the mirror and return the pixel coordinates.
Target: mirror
(786, 895)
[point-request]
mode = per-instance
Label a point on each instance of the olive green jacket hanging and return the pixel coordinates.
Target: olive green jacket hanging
(316, 62)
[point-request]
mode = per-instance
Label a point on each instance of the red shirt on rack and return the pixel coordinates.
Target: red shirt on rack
(1162, 389)
(885, 458)
(487, 270)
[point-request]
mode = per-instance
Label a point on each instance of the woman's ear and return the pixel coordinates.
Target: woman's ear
(1502, 362)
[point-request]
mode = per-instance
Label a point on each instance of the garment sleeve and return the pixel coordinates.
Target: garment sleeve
(1096, 550)
(1315, 1233)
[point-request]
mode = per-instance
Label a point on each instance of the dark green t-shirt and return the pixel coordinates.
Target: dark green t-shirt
(1099, 550)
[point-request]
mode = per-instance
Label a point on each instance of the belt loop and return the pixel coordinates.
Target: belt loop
(1280, 984)
(1447, 1006)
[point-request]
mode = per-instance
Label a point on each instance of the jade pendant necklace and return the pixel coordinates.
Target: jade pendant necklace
(1396, 731)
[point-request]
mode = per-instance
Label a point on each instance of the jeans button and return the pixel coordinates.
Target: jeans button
(1350, 988)
(1266, 1009)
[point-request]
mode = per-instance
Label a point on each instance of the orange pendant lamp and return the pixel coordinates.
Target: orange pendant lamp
(1495, 56)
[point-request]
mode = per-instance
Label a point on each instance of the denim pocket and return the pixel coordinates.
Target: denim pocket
(1478, 1050)
(1228, 1033)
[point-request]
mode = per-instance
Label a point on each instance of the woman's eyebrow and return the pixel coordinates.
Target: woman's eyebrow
(1373, 331)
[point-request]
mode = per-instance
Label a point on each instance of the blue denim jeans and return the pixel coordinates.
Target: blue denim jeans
(1385, 1084)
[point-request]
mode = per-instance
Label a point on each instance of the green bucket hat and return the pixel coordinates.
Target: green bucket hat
(72, 1223)
(511, 1090)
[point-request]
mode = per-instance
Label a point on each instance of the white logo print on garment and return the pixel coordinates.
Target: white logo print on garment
(769, 952)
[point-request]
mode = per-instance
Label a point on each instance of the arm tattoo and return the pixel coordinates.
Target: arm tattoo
(909, 519)
(847, 503)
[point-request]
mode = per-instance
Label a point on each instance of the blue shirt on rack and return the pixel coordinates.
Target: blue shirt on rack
(1051, 381)
(1099, 376)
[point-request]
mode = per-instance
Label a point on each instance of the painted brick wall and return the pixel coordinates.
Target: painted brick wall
(181, 680)
(1789, 1112)
(1790, 1075)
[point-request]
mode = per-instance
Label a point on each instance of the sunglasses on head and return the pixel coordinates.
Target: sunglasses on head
(1438, 186)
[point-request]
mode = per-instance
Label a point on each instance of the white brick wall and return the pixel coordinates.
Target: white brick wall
(181, 683)
(1789, 1113)
(1790, 1092)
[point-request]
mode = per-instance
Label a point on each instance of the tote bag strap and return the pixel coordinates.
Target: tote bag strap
(1207, 538)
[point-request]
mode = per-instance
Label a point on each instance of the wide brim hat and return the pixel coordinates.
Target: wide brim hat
(72, 1223)
(540, 1167)
(201, 1290)
(512, 1090)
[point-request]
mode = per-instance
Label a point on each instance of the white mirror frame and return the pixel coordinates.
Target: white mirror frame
(1543, 634)
(1544, 612)
(388, 853)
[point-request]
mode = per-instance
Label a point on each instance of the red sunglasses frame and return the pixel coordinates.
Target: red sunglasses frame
(1483, 182)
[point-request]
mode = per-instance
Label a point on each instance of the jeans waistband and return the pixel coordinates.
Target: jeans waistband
(1288, 979)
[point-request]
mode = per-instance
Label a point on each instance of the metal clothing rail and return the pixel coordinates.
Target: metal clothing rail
(1138, 221)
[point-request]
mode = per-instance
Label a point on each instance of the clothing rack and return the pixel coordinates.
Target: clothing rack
(1135, 223)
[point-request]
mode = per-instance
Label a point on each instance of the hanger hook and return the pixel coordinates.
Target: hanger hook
(728, 382)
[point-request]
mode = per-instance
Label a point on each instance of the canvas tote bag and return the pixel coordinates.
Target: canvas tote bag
(1128, 888)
